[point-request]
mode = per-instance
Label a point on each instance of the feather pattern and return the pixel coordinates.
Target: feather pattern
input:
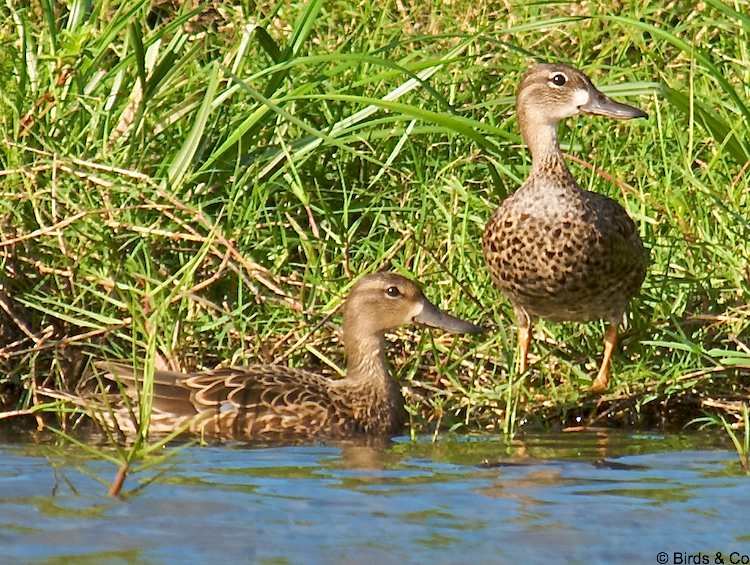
(562, 253)
(275, 403)
(556, 251)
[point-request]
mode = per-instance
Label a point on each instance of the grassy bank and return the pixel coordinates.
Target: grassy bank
(195, 188)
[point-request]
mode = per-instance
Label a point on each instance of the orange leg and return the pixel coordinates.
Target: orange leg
(524, 342)
(602, 379)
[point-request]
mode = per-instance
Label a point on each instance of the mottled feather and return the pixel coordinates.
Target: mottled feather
(556, 251)
(275, 403)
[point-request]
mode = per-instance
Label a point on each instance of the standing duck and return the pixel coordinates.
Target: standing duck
(276, 403)
(556, 251)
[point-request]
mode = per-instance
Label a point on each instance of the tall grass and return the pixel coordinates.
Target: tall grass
(741, 444)
(193, 187)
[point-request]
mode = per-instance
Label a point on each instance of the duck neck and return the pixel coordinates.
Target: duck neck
(365, 360)
(374, 398)
(541, 137)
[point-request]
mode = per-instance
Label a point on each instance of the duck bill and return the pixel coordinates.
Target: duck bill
(435, 318)
(601, 105)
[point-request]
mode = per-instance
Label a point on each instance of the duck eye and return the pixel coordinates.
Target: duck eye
(559, 79)
(393, 292)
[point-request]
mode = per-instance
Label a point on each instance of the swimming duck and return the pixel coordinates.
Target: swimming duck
(273, 403)
(556, 251)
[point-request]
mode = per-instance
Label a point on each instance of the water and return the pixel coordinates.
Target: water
(574, 498)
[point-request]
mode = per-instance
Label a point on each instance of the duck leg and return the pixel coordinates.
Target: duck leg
(524, 340)
(602, 378)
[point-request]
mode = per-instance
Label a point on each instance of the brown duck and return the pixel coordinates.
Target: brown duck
(276, 403)
(556, 251)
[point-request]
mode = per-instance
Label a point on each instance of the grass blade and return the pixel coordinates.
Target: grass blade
(183, 160)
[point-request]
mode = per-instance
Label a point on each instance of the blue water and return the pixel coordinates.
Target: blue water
(570, 498)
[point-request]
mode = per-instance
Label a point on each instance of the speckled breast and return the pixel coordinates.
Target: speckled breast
(576, 259)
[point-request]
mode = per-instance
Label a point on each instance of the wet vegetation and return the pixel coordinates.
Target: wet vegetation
(190, 186)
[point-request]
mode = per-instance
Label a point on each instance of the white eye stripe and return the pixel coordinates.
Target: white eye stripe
(417, 310)
(581, 97)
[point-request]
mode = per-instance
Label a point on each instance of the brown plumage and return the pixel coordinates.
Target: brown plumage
(275, 403)
(556, 251)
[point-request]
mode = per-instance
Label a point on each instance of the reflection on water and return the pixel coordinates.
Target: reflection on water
(577, 498)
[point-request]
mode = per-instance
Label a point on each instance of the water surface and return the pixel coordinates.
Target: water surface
(575, 498)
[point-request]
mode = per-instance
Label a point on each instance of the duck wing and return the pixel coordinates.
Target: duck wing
(255, 402)
(625, 253)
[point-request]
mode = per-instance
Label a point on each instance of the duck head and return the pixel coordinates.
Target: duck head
(549, 93)
(383, 301)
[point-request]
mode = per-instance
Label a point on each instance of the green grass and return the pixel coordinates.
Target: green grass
(741, 444)
(196, 188)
